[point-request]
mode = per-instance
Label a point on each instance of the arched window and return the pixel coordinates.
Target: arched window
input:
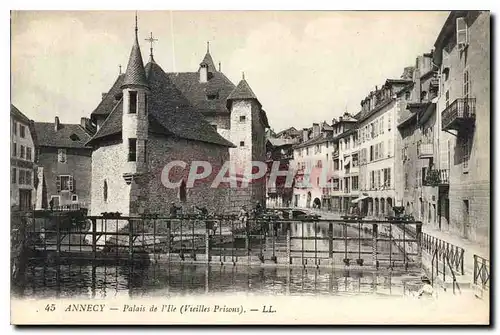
(105, 191)
(182, 192)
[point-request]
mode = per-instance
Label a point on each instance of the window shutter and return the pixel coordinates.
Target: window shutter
(71, 184)
(58, 183)
(461, 32)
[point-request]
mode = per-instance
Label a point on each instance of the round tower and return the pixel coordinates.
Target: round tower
(135, 91)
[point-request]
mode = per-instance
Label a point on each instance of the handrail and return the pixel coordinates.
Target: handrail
(454, 253)
(482, 272)
(446, 261)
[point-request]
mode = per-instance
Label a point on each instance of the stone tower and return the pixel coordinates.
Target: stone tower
(135, 113)
(247, 132)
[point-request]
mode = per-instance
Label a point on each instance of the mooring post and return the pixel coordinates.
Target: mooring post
(58, 237)
(330, 242)
(247, 240)
(169, 238)
(374, 245)
(207, 241)
(418, 230)
(94, 238)
(288, 243)
(130, 237)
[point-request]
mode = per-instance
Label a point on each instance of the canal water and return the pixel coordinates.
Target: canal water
(105, 281)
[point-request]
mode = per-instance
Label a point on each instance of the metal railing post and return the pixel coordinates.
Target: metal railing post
(418, 229)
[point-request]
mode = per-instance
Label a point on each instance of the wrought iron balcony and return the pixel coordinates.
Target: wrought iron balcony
(335, 154)
(437, 178)
(461, 113)
(425, 150)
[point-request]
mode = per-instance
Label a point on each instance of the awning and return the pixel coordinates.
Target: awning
(363, 197)
(347, 161)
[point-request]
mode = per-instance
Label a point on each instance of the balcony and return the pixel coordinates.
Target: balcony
(335, 154)
(460, 114)
(437, 178)
(425, 150)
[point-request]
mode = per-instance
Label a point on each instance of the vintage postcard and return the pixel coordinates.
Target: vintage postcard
(250, 167)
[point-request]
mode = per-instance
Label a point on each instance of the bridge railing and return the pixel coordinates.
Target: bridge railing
(308, 241)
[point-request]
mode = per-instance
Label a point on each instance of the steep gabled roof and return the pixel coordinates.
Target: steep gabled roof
(218, 86)
(109, 101)
(67, 136)
(16, 113)
(170, 113)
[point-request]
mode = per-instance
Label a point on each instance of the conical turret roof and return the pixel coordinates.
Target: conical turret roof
(135, 74)
(242, 91)
(209, 62)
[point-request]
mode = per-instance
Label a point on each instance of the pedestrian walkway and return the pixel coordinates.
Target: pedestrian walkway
(471, 248)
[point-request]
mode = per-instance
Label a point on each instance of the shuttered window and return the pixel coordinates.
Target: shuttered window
(65, 183)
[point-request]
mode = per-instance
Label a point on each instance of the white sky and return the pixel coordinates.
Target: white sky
(303, 66)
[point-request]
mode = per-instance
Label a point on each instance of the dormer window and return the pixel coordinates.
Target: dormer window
(212, 96)
(132, 108)
(243, 118)
(74, 137)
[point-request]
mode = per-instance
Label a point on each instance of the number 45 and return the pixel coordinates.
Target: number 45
(50, 307)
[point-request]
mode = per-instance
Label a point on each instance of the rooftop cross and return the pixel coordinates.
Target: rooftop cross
(151, 40)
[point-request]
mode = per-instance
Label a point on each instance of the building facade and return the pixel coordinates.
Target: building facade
(311, 159)
(22, 157)
(64, 164)
(344, 185)
(462, 54)
(418, 137)
(150, 118)
(377, 150)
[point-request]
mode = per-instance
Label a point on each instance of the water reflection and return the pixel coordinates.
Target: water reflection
(167, 280)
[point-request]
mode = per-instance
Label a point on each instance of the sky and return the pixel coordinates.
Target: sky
(304, 67)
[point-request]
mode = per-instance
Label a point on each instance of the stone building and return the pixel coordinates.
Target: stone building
(150, 118)
(462, 55)
(22, 157)
(278, 193)
(64, 164)
(378, 158)
(311, 166)
(420, 180)
(345, 158)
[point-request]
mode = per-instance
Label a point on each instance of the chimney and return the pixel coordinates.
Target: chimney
(334, 120)
(203, 73)
(84, 122)
(316, 130)
(305, 134)
(103, 95)
(57, 125)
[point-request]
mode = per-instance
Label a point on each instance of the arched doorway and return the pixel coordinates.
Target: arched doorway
(308, 201)
(317, 203)
(382, 206)
(376, 210)
(389, 207)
